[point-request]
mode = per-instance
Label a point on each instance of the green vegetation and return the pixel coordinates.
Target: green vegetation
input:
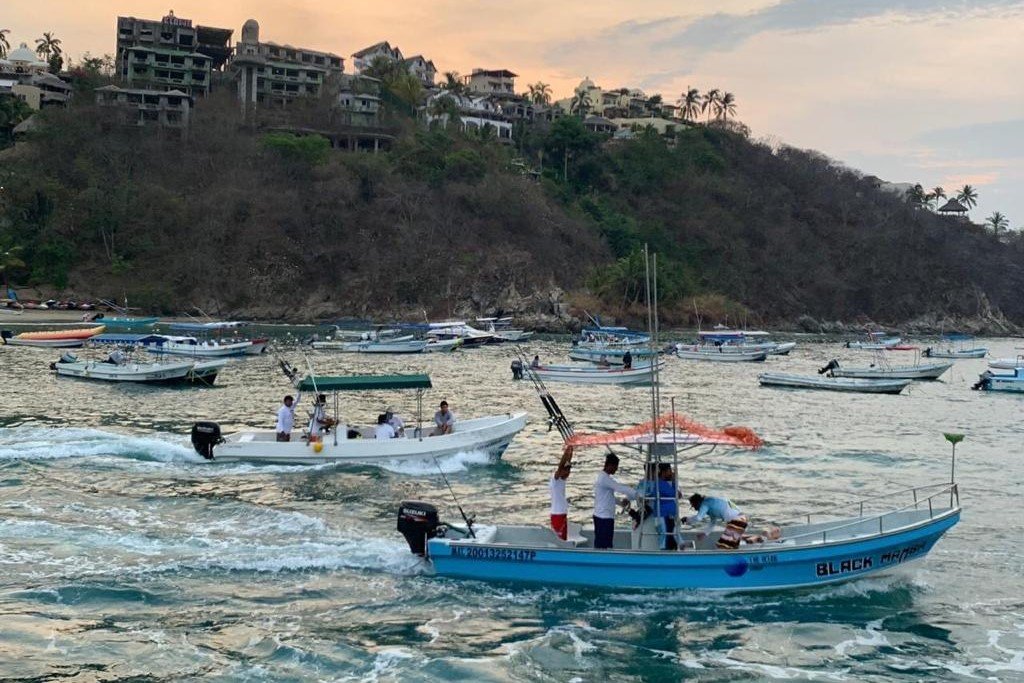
(276, 224)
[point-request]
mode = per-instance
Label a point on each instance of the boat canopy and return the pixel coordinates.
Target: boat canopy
(671, 428)
(957, 337)
(726, 335)
(199, 327)
(128, 339)
(364, 382)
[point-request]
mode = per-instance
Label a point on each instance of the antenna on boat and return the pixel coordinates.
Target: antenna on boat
(467, 520)
(953, 440)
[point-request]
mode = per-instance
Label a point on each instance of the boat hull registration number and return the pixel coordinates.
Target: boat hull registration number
(500, 554)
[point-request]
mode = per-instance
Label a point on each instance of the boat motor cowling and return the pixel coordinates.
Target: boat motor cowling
(832, 365)
(206, 435)
(418, 522)
(5, 335)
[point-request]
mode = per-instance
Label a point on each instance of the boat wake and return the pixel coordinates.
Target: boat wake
(51, 443)
(458, 462)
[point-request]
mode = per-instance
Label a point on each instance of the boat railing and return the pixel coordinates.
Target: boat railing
(919, 500)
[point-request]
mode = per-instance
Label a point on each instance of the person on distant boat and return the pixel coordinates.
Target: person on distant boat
(535, 363)
(627, 360)
(397, 423)
(605, 489)
(603, 362)
(720, 509)
(383, 430)
(444, 420)
(559, 502)
(285, 419)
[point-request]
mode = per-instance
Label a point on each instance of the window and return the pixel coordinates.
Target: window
(198, 76)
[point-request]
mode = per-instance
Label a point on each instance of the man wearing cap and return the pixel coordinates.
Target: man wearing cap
(397, 423)
(559, 502)
(605, 489)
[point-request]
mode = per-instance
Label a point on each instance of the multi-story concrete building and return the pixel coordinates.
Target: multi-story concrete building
(358, 102)
(135, 107)
(491, 82)
(272, 74)
(423, 69)
(170, 53)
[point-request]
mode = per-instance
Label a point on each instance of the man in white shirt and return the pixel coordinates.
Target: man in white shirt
(285, 419)
(397, 423)
(605, 489)
(319, 422)
(559, 502)
(383, 430)
(444, 420)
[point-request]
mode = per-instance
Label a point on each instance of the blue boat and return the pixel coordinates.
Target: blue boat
(1012, 381)
(123, 323)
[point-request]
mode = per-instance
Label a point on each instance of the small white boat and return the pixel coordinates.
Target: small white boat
(846, 384)
(716, 354)
(610, 355)
(1007, 363)
(139, 373)
(402, 345)
(883, 370)
(442, 345)
(591, 374)
(190, 346)
(954, 353)
(875, 341)
(730, 341)
(458, 329)
(350, 445)
(502, 329)
(1002, 381)
(782, 348)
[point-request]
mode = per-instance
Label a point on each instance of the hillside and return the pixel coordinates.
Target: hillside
(241, 223)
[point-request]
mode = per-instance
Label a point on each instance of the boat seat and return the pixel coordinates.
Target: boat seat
(574, 535)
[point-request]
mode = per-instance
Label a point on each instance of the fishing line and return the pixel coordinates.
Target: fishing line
(469, 524)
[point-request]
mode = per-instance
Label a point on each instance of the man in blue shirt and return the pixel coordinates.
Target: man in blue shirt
(714, 509)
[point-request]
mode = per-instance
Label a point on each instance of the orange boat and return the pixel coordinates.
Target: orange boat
(53, 338)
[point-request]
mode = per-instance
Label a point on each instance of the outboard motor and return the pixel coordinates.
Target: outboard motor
(927, 353)
(832, 365)
(418, 522)
(984, 381)
(517, 369)
(206, 435)
(5, 335)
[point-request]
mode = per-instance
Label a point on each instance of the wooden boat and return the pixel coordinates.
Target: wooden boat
(51, 339)
(716, 354)
(1002, 381)
(884, 370)
(846, 384)
(181, 372)
(491, 434)
(591, 374)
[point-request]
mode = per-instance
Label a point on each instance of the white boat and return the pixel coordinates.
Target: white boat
(1002, 381)
(458, 329)
(399, 345)
(883, 370)
(782, 348)
(139, 373)
(846, 384)
(716, 354)
(955, 346)
(875, 341)
(442, 345)
(612, 355)
(591, 374)
(191, 346)
(491, 434)
(502, 329)
(730, 341)
(1007, 363)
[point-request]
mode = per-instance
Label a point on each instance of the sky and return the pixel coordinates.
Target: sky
(928, 91)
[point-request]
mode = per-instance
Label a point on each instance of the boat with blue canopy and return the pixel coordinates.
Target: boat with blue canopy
(354, 444)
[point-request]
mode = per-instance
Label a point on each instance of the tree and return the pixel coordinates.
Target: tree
(938, 193)
(689, 102)
(967, 196)
(710, 101)
(453, 83)
(540, 93)
(12, 112)
(580, 104)
(998, 222)
(917, 196)
(726, 106)
(654, 103)
(48, 46)
(446, 106)
(9, 259)
(4, 45)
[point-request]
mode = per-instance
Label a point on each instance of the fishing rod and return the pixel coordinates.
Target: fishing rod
(556, 418)
(465, 518)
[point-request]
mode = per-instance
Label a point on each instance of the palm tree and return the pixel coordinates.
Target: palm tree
(540, 93)
(9, 259)
(917, 196)
(580, 103)
(4, 45)
(689, 102)
(726, 106)
(48, 46)
(447, 106)
(938, 193)
(453, 83)
(997, 222)
(710, 101)
(967, 196)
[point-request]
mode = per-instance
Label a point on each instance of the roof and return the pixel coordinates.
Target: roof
(671, 428)
(24, 54)
(364, 382)
(494, 73)
(599, 120)
(26, 126)
(953, 206)
(373, 48)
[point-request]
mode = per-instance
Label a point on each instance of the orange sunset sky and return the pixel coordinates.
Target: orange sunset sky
(925, 91)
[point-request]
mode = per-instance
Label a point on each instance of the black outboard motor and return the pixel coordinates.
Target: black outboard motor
(206, 435)
(832, 365)
(418, 522)
(5, 335)
(517, 369)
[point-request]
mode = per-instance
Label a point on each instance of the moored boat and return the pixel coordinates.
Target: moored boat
(845, 384)
(718, 354)
(502, 329)
(458, 329)
(883, 370)
(191, 346)
(1012, 381)
(442, 345)
(397, 345)
(955, 346)
(590, 374)
(51, 339)
(128, 371)
(1007, 363)
(611, 355)
(875, 341)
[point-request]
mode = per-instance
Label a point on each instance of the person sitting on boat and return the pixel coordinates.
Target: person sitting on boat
(319, 423)
(116, 357)
(383, 430)
(605, 489)
(720, 509)
(285, 419)
(559, 502)
(535, 363)
(444, 420)
(627, 360)
(396, 422)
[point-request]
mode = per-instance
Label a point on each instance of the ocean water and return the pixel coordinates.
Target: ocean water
(125, 556)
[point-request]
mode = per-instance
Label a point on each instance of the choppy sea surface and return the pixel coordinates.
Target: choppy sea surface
(125, 556)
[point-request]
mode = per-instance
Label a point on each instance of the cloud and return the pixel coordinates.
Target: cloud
(990, 139)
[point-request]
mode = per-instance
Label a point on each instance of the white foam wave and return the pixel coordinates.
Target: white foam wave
(875, 638)
(459, 462)
(49, 443)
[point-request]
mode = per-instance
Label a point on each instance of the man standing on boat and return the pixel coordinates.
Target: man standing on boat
(559, 502)
(285, 419)
(605, 489)
(627, 360)
(444, 420)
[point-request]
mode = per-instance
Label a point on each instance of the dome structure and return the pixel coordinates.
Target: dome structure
(585, 84)
(251, 31)
(24, 59)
